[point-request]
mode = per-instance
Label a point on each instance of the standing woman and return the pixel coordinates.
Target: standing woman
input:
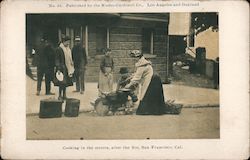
(64, 67)
(151, 97)
(105, 83)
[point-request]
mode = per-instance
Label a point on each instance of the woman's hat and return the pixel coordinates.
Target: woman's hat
(123, 70)
(135, 53)
(66, 38)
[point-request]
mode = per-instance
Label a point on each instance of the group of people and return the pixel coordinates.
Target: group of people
(62, 62)
(67, 64)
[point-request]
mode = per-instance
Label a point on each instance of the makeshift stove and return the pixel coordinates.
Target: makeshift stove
(114, 103)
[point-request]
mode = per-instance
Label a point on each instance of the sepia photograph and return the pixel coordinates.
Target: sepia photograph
(108, 76)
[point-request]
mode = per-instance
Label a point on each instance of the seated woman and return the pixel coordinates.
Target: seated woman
(151, 98)
(124, 79)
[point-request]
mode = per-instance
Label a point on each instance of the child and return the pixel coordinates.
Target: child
(124, 79)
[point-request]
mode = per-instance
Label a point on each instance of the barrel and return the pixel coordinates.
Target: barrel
(72, 107)
(50, 108)
(200, 60)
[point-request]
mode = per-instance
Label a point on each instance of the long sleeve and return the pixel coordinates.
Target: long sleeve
(50, 56)
(118, 85)
(75, 57)
(102, 65)
(112, 61)
(137, 77)
(58, 60)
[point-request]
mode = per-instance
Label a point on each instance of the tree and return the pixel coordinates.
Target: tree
(203, 21)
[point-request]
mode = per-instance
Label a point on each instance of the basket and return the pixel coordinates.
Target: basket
(172, 108)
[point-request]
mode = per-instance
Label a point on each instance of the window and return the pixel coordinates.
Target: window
(147, 41)
(102, 39)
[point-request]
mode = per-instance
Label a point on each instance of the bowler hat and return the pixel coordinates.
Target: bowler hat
(106, 50)
(77, 38)
(123, 70)
(66, 38)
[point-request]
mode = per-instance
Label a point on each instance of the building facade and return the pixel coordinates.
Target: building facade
(119, 32)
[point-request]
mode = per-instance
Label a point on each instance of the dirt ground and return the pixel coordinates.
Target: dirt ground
(197, 123)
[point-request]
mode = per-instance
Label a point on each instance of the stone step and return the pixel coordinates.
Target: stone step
(29, 60)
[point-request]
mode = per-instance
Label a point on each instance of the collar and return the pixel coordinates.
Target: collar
(142, 62)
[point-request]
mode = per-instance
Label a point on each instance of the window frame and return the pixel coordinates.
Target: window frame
(107, 37)
(151, 41)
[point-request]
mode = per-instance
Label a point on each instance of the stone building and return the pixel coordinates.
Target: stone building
(121, 32)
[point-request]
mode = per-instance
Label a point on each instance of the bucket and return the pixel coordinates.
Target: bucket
(72, 107)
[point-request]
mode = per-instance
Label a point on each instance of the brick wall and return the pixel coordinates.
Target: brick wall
(126, 35)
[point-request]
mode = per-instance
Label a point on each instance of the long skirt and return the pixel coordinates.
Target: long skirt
(153, 103)
(105, 83)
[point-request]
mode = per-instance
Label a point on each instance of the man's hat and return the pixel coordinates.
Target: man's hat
(44, 38)
(123, 70)
(135, 53)
(106, 50)
(77, 38)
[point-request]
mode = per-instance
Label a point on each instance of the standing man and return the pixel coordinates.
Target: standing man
(80, 62)
(45, 66)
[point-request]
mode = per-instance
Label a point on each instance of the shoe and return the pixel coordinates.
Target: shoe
(60, 98)
(92, 103)
(38, 93)
(76, 91)
(50, 93)
(64, 98)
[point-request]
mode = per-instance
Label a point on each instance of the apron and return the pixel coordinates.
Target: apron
(105, 82)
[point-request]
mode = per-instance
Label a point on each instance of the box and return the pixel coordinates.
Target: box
(50, 108)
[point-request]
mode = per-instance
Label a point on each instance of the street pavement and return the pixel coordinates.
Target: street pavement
(190, 97)
(192, 123)
(198, 119)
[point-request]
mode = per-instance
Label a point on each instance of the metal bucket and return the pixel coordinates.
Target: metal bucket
(72, 107)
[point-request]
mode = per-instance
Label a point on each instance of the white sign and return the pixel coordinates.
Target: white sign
(179, 23)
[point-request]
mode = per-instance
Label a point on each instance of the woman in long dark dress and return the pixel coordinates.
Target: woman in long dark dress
(64, 66)
(151, 98)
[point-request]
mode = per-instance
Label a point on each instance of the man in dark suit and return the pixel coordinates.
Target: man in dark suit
(80, 61)
(45, 65)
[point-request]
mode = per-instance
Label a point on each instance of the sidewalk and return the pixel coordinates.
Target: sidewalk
(190, 97)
